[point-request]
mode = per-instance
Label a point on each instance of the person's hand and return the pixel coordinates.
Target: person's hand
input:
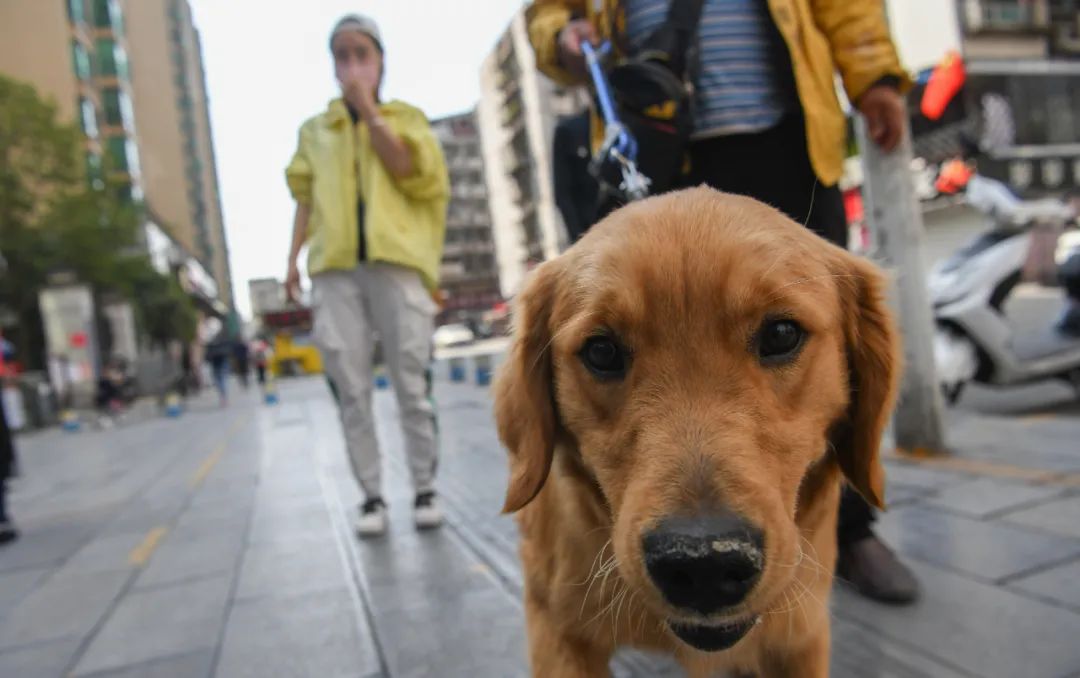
(883, 108)
(569, 44)
(359, 88)
(292, 283)
(361, 97)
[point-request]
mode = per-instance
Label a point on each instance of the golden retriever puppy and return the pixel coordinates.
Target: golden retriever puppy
(686, 388)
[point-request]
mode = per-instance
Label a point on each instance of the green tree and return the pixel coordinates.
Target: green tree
(53, 220)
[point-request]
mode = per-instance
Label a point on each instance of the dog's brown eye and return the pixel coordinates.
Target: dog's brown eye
(604, 357)
(779, 340)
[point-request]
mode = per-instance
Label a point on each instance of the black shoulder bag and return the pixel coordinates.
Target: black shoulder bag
(653, 94)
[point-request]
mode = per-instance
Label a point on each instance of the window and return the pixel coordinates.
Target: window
(88, 116)
(106, 56)
(93, 169)
(76, 11)
(112, 60)
(107, 14)
(121, 62)
(125, 194)
(114, 116)
(80, 61)
(118, 154)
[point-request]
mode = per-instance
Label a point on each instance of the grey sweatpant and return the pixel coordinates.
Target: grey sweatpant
(350, 308)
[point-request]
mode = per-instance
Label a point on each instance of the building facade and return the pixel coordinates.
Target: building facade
(173, 121)
(517, 113)
(73, 52)
(129, 75)
(469, 275)
(1020, 95)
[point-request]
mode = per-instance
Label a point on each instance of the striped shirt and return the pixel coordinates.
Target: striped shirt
(744, 83)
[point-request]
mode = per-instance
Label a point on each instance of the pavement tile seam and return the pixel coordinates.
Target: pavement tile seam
(1001, 513)
(108, 673)
(991, 517)
(175, 583)
(136, 571)
(1041, 567)
(238, 562)
(900, 643)
(1012, 587)
(31, 644)
(356, 581)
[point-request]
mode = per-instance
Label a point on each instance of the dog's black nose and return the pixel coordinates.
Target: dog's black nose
(704, 563)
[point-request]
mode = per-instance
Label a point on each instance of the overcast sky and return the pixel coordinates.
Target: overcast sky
(268, 69)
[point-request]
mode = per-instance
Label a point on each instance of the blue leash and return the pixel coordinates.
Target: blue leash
(619, 144)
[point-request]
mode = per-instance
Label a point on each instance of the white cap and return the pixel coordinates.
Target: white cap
(357, 22)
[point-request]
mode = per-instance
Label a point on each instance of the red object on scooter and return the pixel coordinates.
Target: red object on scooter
(945, 81)
(953, 177)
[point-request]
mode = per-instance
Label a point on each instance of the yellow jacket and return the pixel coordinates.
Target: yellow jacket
(822, 36)
(404, 219)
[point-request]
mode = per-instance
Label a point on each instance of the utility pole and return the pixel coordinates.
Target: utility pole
(896, 225)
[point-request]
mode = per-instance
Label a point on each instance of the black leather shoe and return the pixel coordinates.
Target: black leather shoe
(8, 532)
(876, 573)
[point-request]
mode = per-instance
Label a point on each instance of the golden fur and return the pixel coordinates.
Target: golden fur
(685, 280)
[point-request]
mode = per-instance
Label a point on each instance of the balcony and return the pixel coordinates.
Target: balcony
(511, 115)
(468, 191)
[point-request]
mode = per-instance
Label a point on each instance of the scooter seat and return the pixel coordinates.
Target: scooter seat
(1044, 344)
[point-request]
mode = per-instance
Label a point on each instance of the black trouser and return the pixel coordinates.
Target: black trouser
(7, 460)
(774, 167)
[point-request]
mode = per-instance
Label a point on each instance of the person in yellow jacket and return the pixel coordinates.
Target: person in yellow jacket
(768, 123)
(371, 190)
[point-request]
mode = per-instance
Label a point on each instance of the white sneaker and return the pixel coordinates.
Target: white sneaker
(372, 522)
(426, 511)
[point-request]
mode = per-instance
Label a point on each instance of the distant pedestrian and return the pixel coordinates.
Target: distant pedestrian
(260, 352)
(7, 466)
(374, 266)
(242, 358)
(218, 354)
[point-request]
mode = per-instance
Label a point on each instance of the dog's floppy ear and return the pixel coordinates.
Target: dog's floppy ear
(524, 398)
(873, 358)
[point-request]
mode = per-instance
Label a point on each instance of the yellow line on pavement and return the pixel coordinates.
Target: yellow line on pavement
(990, 468)
(141, 553)
(240, 421)
(207, 466)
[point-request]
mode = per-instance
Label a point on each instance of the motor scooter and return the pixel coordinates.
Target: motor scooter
(974, 341)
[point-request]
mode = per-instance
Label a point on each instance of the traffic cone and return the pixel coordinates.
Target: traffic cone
(483, 370)
(457, 370)
(270, 395)
(382, 382)
(69, 420)
(173, 406)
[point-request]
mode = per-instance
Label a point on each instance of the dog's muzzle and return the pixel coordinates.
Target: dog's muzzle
(705, 565)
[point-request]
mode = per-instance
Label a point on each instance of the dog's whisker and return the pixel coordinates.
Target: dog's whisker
(812, 559)
(596, 560)
(554, 335)
(641, 620)
(619, 609)
(608, 607)
(593, 577)
(810, 210)
(607, 570)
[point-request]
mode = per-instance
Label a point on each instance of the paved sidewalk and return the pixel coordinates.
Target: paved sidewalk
(218, 544)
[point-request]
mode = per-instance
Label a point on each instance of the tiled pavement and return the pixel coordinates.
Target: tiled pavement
(219, 544)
